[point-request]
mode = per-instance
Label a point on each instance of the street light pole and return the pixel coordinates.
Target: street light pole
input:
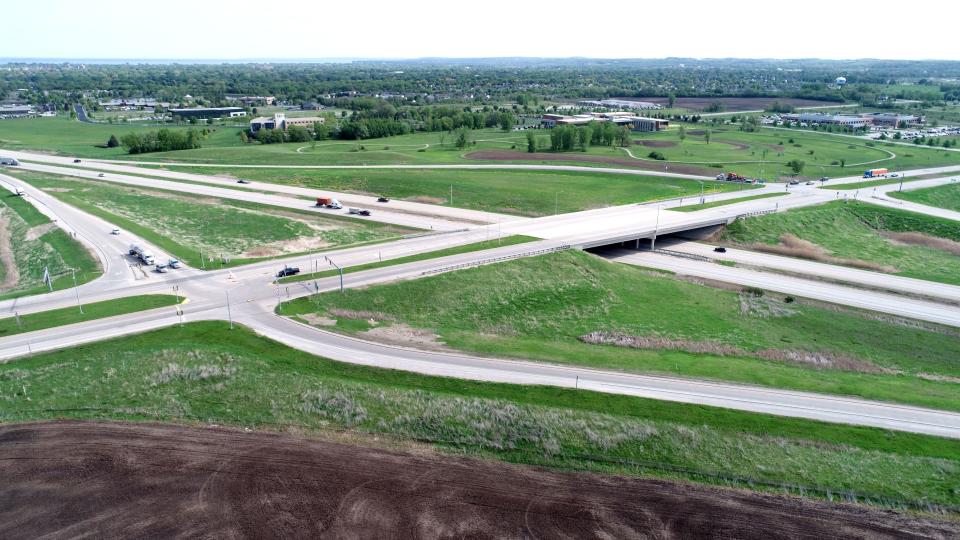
(341, 273)
(229, 314)
(656, 228)
(76, 290)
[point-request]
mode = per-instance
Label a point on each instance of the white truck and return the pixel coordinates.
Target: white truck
(145, 256)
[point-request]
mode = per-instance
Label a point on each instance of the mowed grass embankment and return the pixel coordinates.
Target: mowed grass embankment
(530, 193)
(857, 234)
(947, 196)
(468, 248)
(36, 244)
(42, 320)
(234, 232)
(207, 373)
(543, 308)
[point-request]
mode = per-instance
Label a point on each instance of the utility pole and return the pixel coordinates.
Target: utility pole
(176, 291)
(76, 290)
(901, 182)
(229, 314)
(451, 194)
(46, 277)
(341, 273)
(656, 228)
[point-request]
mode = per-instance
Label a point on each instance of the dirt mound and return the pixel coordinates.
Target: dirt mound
(657, 144)
(114, 480)
(738, 146)
(697, 132)
(791, 246)
(921, 239)
(510, 155)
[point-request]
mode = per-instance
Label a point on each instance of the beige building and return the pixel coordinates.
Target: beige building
(280, 121)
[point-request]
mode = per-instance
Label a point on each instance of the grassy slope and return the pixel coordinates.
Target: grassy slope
(476, 246)
(205, 372)
(215, 225)
(71, 315)
(852, 230)
(515, 192)
(947, 196)
(714, 204)
(536, 308)
(53, 249)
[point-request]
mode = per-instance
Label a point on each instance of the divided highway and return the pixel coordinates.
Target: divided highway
(253, 297)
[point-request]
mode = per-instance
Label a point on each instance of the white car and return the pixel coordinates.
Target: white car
(161, 268)
(115, 231)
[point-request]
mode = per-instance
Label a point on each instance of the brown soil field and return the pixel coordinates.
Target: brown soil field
(735, 104)
(70, 479)
(656, 144)
(574, 157)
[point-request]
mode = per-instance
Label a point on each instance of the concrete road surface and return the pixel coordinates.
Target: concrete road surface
(817, 290)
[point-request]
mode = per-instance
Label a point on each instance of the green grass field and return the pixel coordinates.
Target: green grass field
(35, 244)
(537, 308)
(186, 226)
(947, 196)
(729, 149)
(476, 246)
(92, 311)
(856, 231)
(532, 193)
(206, 373)
(714, 204)
(765, 153)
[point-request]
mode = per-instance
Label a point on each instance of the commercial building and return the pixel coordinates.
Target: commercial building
(14, 111)
(280, 121)
(132, 103)
(886, 119)
(828, 119)
(635, 123)
(251, 100)
(209, 112)
(619, 104)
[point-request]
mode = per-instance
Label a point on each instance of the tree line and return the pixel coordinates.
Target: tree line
(162, 140)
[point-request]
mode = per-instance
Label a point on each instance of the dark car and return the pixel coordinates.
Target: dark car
(823, 178)
(242, 181)
(76, 161)
(364, 212)
(288, 271)
(383, 199)
(720, 249)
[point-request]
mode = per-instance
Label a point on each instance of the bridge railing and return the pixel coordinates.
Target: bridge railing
(481, 262)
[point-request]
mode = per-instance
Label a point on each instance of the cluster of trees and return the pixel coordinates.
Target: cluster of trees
(569, 138)
(163, 140)
(932, 141)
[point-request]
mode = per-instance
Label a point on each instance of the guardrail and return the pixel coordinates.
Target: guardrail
(757, 213)
(482, 262)
(433, 233)
(683, 255)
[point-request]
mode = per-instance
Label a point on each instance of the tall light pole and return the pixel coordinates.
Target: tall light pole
(341, 272)
(76, 290)
(656, 228)
(229, 313)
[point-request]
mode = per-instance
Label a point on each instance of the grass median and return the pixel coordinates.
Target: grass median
(70, 315)
(714, 204)
(947, 196)
(205, 372)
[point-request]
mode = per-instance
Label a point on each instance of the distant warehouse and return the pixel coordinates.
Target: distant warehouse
(635, 123)
(828, 119)
(208, 112)
(280, 121)
(619, 104)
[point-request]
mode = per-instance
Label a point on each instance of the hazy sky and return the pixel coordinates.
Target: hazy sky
(416, 28)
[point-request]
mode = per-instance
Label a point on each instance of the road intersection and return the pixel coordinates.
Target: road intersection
(248, 295)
